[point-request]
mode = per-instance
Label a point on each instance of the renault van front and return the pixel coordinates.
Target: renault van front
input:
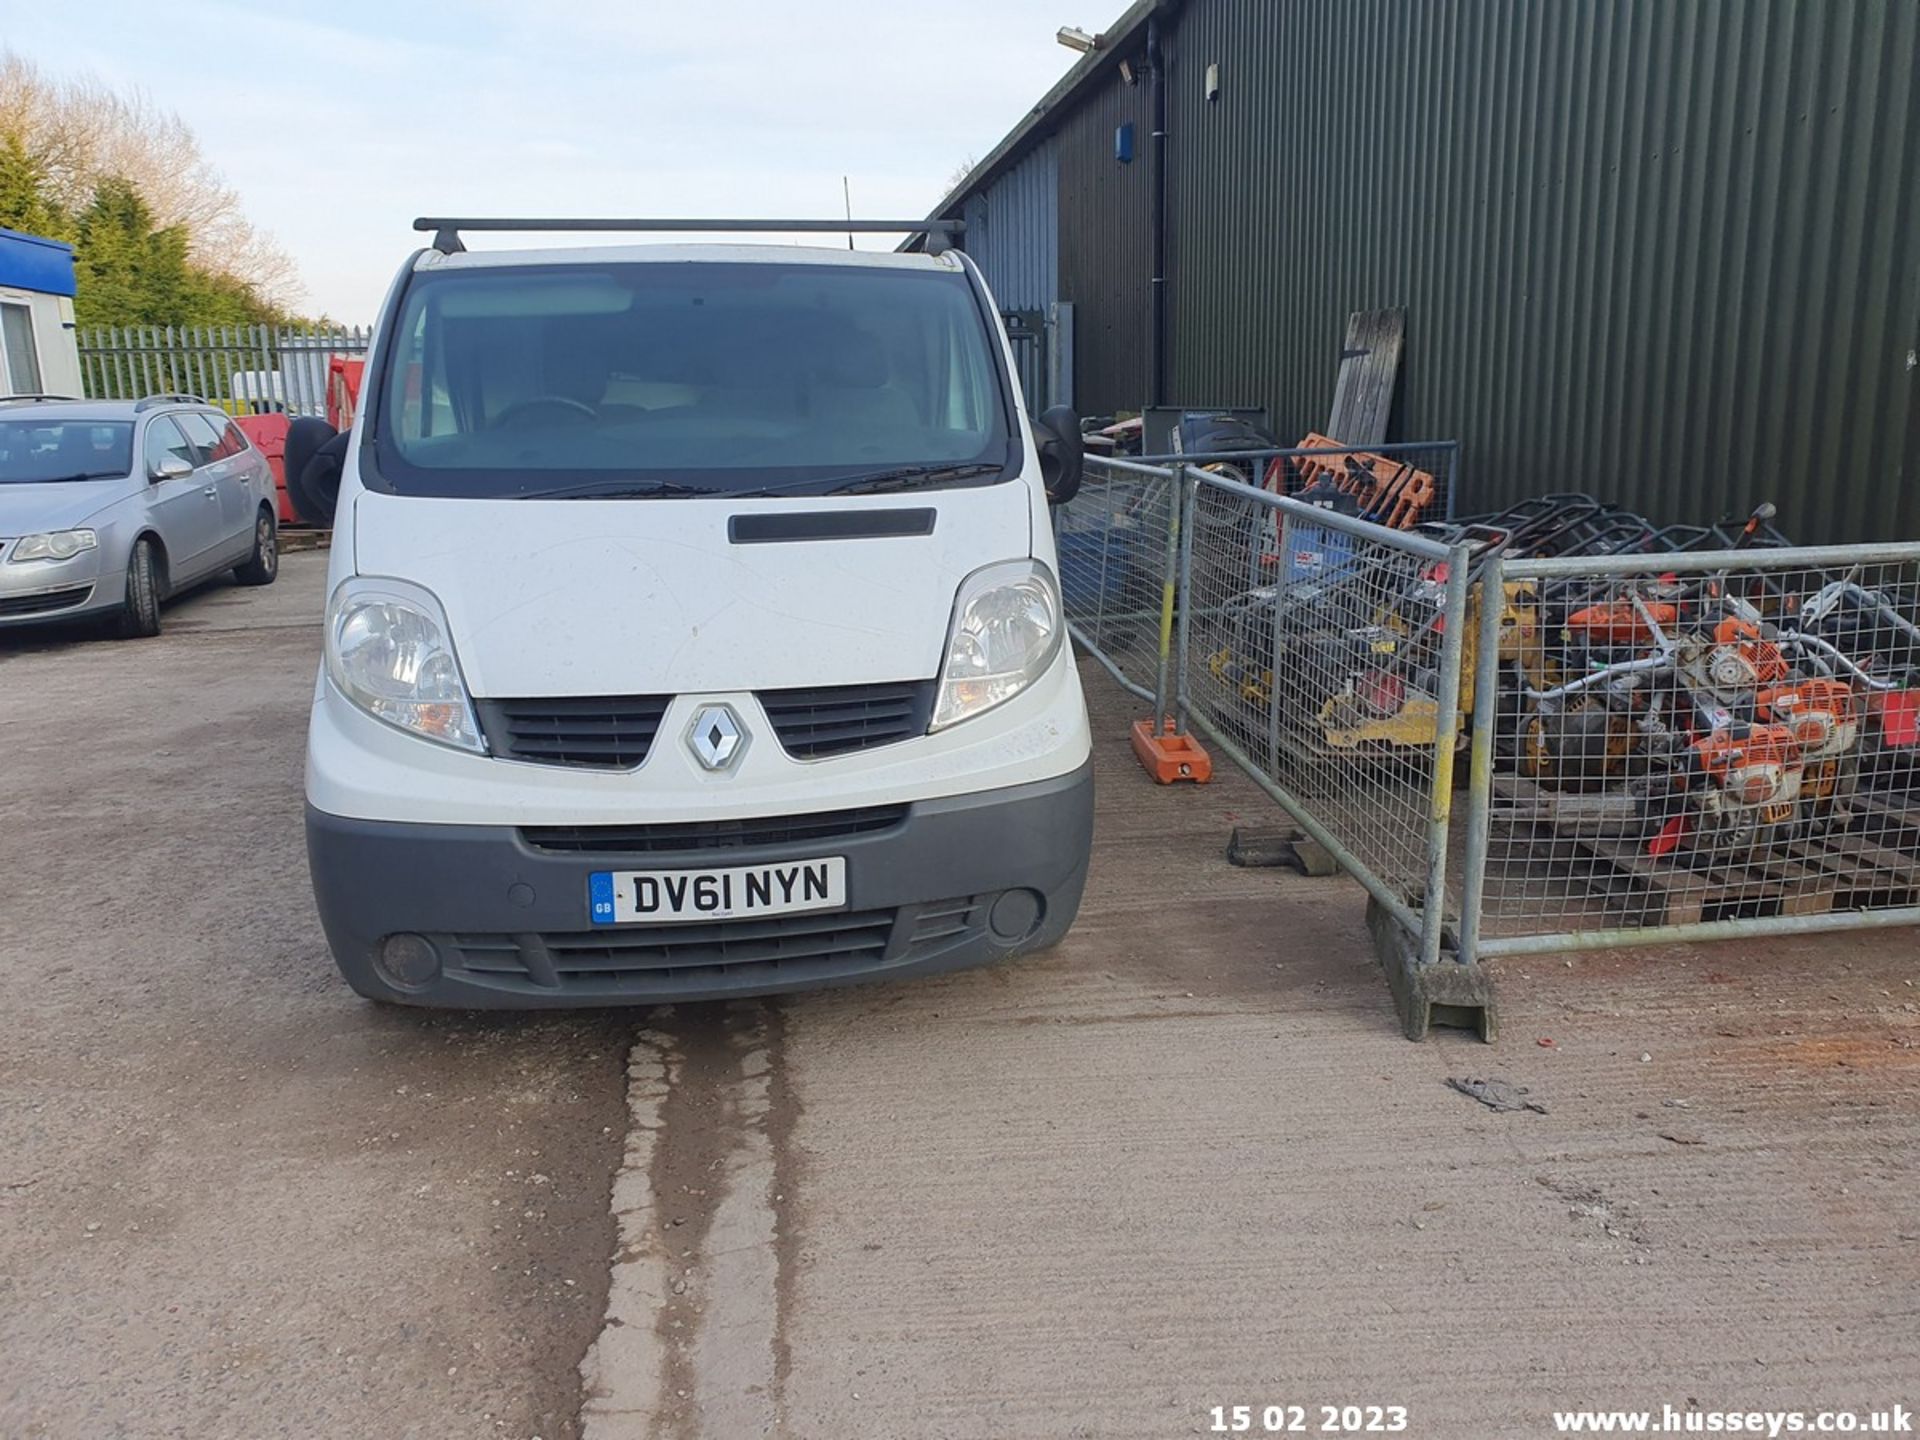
(693, 630)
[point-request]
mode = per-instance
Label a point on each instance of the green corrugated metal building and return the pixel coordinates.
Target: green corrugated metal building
(1661, 250)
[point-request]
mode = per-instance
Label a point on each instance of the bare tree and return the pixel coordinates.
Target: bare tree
(79, 132)
(960, 171)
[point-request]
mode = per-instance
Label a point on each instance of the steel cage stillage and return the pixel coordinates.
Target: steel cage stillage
(1625, 843)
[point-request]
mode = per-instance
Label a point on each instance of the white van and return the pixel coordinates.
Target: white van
(693, 630)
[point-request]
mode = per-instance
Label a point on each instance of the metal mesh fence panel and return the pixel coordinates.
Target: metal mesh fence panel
(1114, 540)
(1315, 645)
(1728, 738)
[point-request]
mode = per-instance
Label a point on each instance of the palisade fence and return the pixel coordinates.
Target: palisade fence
(244, 369)
(1653, 747)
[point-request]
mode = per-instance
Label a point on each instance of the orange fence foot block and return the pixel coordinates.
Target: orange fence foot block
(1170, 758)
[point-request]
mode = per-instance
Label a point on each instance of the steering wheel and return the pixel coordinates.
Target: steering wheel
(517, 412)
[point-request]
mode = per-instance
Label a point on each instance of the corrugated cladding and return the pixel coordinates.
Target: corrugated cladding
(1657, 249)
(1013, 232)
(1662, 250)
(1106, 245)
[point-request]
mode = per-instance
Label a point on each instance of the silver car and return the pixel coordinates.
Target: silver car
(107, 507)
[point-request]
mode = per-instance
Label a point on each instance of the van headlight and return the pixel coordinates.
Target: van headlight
(1006, 631)
(390, 651)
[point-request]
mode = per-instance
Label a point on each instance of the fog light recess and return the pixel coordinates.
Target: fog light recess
(1016, 915)
(408, 962)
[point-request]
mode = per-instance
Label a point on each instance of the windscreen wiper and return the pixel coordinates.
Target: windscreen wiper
(81, 475)
(656, 490)
(909, 477)
(868, 482)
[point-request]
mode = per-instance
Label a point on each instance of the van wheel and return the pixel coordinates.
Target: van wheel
(264, 563)
(140, 611)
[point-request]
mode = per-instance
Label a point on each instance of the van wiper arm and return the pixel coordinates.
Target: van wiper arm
(867, 482)
(909, 477)
(655, 490)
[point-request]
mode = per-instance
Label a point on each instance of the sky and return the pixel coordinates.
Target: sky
(339, 123)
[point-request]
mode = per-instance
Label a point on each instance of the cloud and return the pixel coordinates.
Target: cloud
(340, 122)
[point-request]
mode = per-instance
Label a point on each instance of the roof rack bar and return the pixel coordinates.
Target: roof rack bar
(446, 229)
(25, 396)
(147, 402)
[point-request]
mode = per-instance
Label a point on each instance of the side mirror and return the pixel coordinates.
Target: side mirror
(1063, 453)
(315, 491)
(311, 463)
(171, 467)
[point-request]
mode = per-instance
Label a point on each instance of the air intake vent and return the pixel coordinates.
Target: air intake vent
(46, 602)
(796, 946)
(836, 720)
(678, 838)
(610, 732)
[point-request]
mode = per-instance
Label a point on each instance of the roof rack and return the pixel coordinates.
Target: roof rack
(147, 402)
(22, 399)
(446, 230)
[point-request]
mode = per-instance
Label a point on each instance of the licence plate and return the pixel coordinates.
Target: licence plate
(738, 892)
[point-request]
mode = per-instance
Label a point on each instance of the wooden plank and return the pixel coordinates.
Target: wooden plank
(1796, 879)
(1860, 867)
(1889, 817)
(1664, 892)
(1837, 870)
(1897, 866)
(1369, 370)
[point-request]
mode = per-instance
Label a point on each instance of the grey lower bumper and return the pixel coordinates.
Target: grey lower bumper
(951, 883)
(65, 606)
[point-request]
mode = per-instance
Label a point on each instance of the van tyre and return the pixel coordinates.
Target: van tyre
(140, 611)
(261, 566)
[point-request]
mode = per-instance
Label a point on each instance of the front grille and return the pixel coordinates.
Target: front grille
(708, 954)
(838, 719)
(795, 945)
(46, 602)
(823, 827)
(612, 732)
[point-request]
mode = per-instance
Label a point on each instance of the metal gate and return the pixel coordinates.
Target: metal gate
(1027, 332)
(1042, 343)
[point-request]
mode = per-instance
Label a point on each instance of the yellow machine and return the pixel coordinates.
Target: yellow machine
(1386, 698)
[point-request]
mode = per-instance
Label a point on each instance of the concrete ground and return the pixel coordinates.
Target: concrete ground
(1184, 1160)
(234, 1199)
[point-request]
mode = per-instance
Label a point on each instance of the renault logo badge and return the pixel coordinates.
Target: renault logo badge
(716, 737)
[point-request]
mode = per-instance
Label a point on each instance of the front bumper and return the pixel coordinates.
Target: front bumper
(53, 590)
(940, 885)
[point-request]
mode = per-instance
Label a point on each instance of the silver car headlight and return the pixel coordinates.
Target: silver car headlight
(390, 652)
(1006, 631)
(55, 545)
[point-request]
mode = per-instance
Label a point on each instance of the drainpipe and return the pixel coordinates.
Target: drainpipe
(1157, 182)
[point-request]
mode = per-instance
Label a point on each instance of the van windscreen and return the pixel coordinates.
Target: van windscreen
(673, 378)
